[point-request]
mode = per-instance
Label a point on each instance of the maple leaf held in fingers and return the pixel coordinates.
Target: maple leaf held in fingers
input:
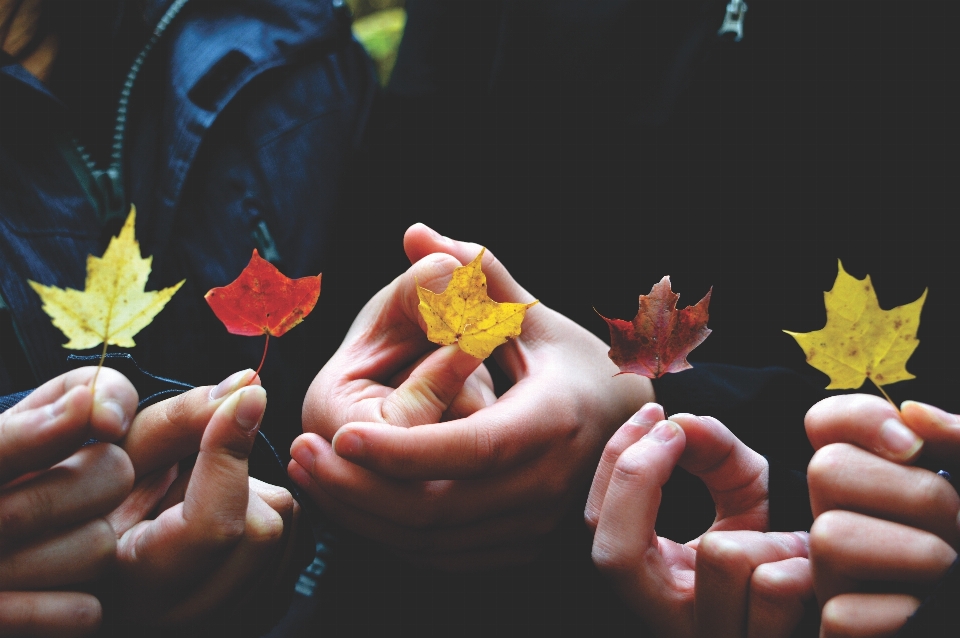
(465, 315)
(862, 341)
(263, 301)
(660, 337)
(114, 305)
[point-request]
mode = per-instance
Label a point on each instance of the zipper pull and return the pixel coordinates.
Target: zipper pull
(733, 20)
(112, 192)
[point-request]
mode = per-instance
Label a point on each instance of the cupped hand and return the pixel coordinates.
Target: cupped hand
(54, 496)
(217, 533)
(882, 528)
(480, 490)
(736, 579)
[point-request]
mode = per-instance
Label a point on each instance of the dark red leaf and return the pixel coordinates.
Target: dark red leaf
(660, 337)
(262, 300)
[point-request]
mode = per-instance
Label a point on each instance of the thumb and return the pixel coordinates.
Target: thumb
(429, 390)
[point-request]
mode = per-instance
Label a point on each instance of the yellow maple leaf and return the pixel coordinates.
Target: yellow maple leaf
(862, 341)
(113, 306)
(465, 315)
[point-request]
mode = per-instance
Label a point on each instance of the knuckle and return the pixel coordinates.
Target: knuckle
(935, 495)
(825, 533)
(826, 463)
(265, 530)
(486, 448)
(720, 552)
(226, 529)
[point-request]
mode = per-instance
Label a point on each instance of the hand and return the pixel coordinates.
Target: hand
(732, 581)
(217, 530)
(54, 495)
(481, 490)
(882, 528)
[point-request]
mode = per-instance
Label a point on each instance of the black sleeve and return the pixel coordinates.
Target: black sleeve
(937, 616)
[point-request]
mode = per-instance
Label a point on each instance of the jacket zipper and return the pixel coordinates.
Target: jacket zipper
(733, 20)
(104, 187)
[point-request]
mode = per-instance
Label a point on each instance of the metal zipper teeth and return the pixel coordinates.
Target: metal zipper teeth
(115, 170)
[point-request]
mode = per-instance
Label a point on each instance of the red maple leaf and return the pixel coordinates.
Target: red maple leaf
(263, 301)
(660, 337)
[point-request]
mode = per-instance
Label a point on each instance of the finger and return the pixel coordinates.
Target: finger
(847, 548)
(114, 402)
(725, 565)
(423, 505)
(940, 430)
(628, 434)
(87, 485)
(479, 445)
(477, 394)
(70, 557)
(495, 532)
(171, 430)
(866, 421)
(184, 539)
(735, 475)
(35, 439)
(420, 241)
(866, 615)
(778, 595)
(844, 477)
(52, 614)
(144, 498)
(263, 531)
(625, 544)
(428, 391)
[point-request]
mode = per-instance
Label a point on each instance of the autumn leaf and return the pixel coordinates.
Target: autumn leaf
(465, 315)
(263, 301)
(660, 337)
(862, 341)
(114, 306)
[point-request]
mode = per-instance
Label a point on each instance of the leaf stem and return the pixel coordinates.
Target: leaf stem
(885, 395)
(264, 358)
(103, 356)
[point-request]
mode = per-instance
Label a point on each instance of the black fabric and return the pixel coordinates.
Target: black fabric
(937, 616)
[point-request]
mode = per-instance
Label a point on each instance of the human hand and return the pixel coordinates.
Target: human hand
(54, 495)
(217, 529)
(732, 581)
(483, 489)
(882, 528)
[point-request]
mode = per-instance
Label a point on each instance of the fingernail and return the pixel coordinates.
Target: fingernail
(899, 439)
(647, 415)
(122, 420)
(303, 454)
(347, 444)
(664, 431)
(943, 419)
(251, 403)
(231, 384)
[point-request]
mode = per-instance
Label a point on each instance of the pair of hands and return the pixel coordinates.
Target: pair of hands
(734, 580)
(71, 515)
(467, 480)
(882, 528)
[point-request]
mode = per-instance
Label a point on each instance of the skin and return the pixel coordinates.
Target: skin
(217, 531)
(54, 499)
(459, 479)
(736, 579)
(882, 526)
(183, 547)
